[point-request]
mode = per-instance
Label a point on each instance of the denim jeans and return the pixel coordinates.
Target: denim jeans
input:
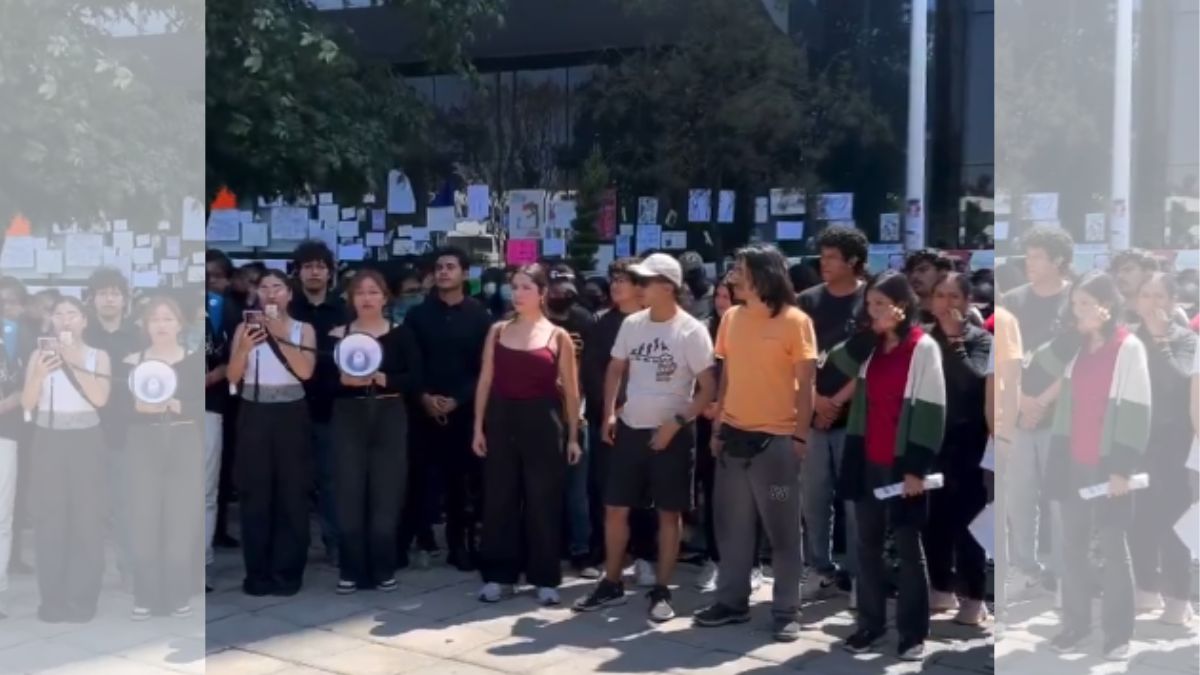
(1026, 471)
(324, 451)
(579, 525)
(818, 479)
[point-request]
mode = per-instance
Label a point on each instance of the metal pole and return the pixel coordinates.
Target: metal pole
(915, 207)
(1122, 127)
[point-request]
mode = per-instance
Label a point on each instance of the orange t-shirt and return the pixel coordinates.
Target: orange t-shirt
(760, 355)
(1007, 337)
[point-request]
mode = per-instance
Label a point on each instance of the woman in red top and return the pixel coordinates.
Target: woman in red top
(527, 393)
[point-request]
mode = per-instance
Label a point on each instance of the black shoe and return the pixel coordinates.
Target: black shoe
(911, 650)
(660, 604)
(257, 589)
(461, 560)
(719, 615)
(605, 594)
(862, 641)
(1068, 640)
(225, 541)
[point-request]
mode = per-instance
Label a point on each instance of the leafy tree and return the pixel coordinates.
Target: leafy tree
(581, 250)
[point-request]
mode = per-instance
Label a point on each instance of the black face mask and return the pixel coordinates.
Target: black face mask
(560, 305)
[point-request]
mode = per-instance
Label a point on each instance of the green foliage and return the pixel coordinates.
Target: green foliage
(581, 250)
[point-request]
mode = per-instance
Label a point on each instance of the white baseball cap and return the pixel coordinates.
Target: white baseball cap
(659, 265)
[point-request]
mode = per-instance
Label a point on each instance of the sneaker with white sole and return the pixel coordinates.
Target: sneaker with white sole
(756, 579)
(644, 572)
(1117, 652)
(548, 597)
(971, 613)
(818, 587)
(1177, 613)
(345, 587)
(911, 651)
(706, 581)
(941, 601)
(493, 592)
(1024, 587)
(139, 614)
(183, 612)
(660, 604)
(388, 585)
(1146, 601)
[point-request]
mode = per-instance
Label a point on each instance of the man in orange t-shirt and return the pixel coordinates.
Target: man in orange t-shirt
(766, 402)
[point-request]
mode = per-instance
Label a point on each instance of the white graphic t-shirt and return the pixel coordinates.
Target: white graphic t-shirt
(665, 357)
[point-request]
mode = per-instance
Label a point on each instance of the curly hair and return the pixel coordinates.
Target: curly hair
(1055, 241)
(851, 242)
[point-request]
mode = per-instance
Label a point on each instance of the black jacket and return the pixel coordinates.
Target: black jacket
(451, 339)
(964, 364)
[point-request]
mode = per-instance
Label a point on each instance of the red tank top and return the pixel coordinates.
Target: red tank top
(524, 374)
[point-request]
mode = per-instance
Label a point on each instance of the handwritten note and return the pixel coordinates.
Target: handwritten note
(223, 225)
(255, 234)
(789, 230)
(521, 251)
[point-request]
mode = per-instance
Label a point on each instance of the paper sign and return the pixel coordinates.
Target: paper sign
(325, 198)
(85, 250)
(606, 219)
(289, 223)
(173, 247)
(49, 261)
(351, 252)
(1000, 230)
(419, 234)
(378, 220)
(1095, 227)
(349, 213)
(647, 210)
(1040, 206)
(649, 238)
(368, 198)
(376, 239)
(18, 253)
(760, 210)
(625, 231)
(146, 279)
(787, 202)
(255, 234)
(143, 256)
(889, 227)
(404, 230)
(699, 206)
(525, 213)
(554, 247)
(479, 202)
(624, 246)
(789, 230)
(403, 247)
(120, 225)
(195, 274)
(198, 258)
(521, 251)
(124, 240)
(193, 220)
(560, 218)
(674, 241)
(143, 239)
(168, 266)
(604, 257)
(440, 218)
(328, 213)
(727, 198)
(223, 225)
(983, 529)
(837, 206)
(348, 229)
(400, 193)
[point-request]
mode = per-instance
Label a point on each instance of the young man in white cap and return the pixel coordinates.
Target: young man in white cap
(667, 355)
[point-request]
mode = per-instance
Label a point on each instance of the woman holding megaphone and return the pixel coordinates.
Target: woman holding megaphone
(66, 383)
(379, 363)
(163, 460)
(272, 356)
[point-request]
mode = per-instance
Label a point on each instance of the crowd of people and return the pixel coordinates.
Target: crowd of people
(622, 423)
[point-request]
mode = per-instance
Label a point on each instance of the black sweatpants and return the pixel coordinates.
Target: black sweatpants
(165, 513)
(370, 475)
(226, 484)
(524, 479)
(957, 563)
(1161, 562)
(274, 481)
(69, 495)
(422, 499)
(461, 475)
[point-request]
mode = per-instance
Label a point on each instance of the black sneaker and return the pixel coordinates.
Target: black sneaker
(606, 594)
(719, 615)
(911, 650)
(862, 641)
(1068, 640)
(660, 604)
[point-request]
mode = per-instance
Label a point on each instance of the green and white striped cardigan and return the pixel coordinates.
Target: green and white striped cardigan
(922, 417)
(1126, 423)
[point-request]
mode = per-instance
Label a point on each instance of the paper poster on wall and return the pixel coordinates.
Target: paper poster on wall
(560, 217)
(625, 230)
(376, 239)
(196, 274)
(18, 253)
(1000, 230)
(761, 204)
(889, 227)
(788, 202)
(325, 198)
(403, 247)
(623, 246)
(649, 238)
(351, 252)
(400, 193)
(253, 235)
(604, 256)
(328, 213)
(1002, 203)
(289, 223)
(606, 219)
(172, 244)
(914, 225)
(1119, 225)
(525, 213)
(49, 261)
(440, 218)
(726, 201)
(349, 213)
(146, 279)
(419, 234)
(554, 247)
(479, 202)
(124, 240)
(521, 251)
(193, 219)
(1040, 206)
(169, 266)
(223, 225)
(699, 206)
(348, 229)
(674, 241)
(1095, 228)
(84, 250)
(378, 220)
(789, 230)
(837, 206)
(647, 210)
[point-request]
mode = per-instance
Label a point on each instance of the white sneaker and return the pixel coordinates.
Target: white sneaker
(548, 597)
(818, 587)
(756, 579)
(941, 601)
(706, 581)
(492, 592)
(1146, 601)
(1177, 613)
(1024, 587)
(644, 571)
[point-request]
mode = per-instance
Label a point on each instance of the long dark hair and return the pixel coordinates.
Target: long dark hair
(1103, 288)
(895, 286)
(767, 270)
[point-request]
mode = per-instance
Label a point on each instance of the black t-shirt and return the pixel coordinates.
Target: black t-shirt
(217, 344)
(597, 352)
(123, 404)
(1040, 317)
(579, 324)
(122, 342)
(401, 366)
(319, 389)
(833, 321)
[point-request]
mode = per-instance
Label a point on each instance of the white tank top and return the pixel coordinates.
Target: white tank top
(62, 405)
(267, 379)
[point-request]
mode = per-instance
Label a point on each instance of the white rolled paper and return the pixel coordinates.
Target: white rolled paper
(933, 481)
(983, 529)
(1137, 481)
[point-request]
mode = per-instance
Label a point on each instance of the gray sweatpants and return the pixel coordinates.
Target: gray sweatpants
(766, 487)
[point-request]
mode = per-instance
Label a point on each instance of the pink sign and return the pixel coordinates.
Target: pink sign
(606, 220)
(521, 251)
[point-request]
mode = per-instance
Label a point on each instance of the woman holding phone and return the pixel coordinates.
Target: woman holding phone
(67, 382)
(272, 356)
(164, 459)
(370, 428)
(893, 435)
(526, 413)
